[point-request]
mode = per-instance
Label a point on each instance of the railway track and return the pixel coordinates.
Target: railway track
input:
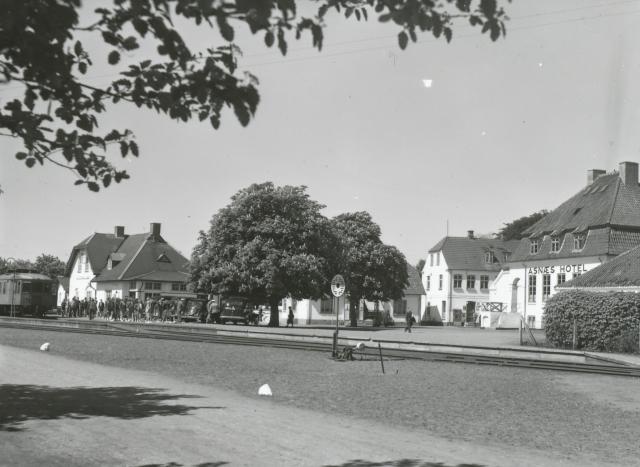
(144, 332)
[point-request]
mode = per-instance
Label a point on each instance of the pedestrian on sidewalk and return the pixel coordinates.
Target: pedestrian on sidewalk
(290, 318)
(408, 321)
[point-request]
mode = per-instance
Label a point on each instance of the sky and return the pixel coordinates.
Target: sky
(506, 128)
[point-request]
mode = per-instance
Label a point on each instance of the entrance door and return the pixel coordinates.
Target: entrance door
(471, 309)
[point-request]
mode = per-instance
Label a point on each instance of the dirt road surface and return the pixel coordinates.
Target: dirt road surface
(58, 411)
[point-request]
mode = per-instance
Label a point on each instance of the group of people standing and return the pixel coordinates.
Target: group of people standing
(127, 309)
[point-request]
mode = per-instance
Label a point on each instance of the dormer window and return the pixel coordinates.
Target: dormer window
(163, 259)
(534, 247)
(489, 258)
(555, 244)
(579, 241)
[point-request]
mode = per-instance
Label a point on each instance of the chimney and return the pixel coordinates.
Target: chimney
(470, 234)
(154, 230)
(629, 173)
(118, 231)
(593, 174)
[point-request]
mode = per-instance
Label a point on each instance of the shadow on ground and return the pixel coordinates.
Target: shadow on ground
(19, 403)
(175, 464)
(399, 463)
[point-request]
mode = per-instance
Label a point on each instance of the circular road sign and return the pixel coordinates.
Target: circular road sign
(337, 285)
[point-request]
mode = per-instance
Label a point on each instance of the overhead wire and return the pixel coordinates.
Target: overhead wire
(423, 41)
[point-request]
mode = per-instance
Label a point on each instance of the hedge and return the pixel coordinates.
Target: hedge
(605, 321)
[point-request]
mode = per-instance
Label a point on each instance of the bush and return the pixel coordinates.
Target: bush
(605, 321)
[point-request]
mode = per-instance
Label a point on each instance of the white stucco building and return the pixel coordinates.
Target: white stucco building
(598, 223)
(120, 265)
(458, 275)
(322, 311)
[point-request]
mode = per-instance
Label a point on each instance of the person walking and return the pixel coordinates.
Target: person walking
(290, 318)
(409, 321)
(93, 308)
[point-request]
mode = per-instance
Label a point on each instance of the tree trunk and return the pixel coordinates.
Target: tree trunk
(274, 319)
(353, 311)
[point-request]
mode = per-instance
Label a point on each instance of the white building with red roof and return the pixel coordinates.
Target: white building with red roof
(120, 265)
(458, 274)
(597, 224)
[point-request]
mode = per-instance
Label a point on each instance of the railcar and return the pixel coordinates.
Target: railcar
(28, 293)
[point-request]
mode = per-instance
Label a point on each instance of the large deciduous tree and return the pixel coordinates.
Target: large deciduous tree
(372, 270)
(268, 243)
(58, 116)
(514, 230)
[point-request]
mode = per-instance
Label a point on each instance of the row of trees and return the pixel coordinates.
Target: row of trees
(272, 242)
(49, 265)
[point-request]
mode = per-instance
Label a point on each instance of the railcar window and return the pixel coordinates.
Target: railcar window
(26, 286)
(36, 287)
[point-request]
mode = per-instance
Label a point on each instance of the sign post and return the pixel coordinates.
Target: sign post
(337, 289)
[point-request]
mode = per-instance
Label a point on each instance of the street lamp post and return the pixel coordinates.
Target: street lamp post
(13, 286)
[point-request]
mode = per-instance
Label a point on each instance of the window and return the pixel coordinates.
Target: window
(431, 259)
(489, 257)
(148, 285)
(531, 321)
(444, 310)
(534, 247)
(506, 257)
(399, 307)
(546, 286)
(471, 281)
(178, 286)
(457, 281)
(532, 288)
(562, 278)
(132, 284)
(326, 305)
(157, 286)
(578, 241)
(80, 263)
(484, 282)
(440, 282)
(438, 259)
(153, 285)
(428, 282)
(555, 244)
(86, 263)
(576, 274)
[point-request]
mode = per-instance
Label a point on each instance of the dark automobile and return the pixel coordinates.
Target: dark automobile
(235, 309)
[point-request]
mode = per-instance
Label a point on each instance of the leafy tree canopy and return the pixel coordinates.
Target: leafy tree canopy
(49, 265)
(268, 243)
(420, 265)
(372, 270)
(58, 117)
(515, 230)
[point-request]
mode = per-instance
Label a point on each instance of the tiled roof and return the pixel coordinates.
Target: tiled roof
(415, 282)
(141, 254)
(624, 270)
(469, 253)
(98, 246)
(607, 210)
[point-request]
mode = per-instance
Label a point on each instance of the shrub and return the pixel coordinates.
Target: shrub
(605, 321)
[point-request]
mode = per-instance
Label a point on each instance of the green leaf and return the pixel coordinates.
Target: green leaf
(269, 38)
(21, 155)
(114, 57)
(225, 29)
(403, 39)
(78, 48)
(78, 182)
(145, 64)
(82, 66)
(30, 162)
(93, 186)
(106, 180)
(124, 148)
(448, 34)
(134, 148)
